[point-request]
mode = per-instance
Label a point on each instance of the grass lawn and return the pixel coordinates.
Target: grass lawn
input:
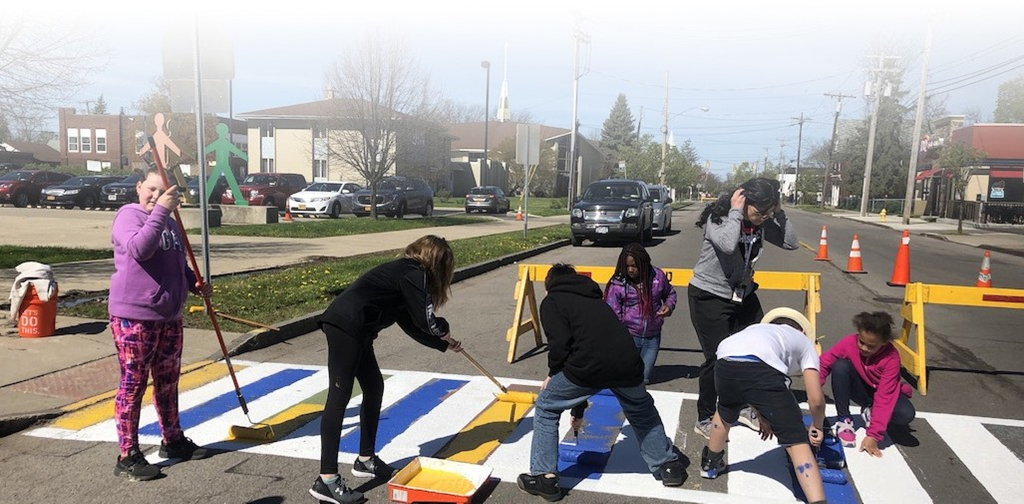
(319, 228)
(275, 296)
(12, 255)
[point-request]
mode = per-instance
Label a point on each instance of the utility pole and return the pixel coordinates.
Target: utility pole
(825, 185)
(639, 120)
(664, 133)
(876, 88)
(579, 37)
(799, 145)
(915, 148)
(765, 159)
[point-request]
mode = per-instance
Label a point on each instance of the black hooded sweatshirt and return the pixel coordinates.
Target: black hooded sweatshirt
(586, 341)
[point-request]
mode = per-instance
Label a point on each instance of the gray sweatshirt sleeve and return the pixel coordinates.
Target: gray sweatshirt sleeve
(780, 232)
(725, 237)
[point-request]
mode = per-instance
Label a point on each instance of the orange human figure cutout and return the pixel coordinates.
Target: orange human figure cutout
(162, 139)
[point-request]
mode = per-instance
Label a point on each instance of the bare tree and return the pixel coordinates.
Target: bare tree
(381, 96)
(958, 160)
(40, 67)
(451, 112)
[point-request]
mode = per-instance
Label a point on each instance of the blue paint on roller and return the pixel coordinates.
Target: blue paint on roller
(602, 424)
(228, 401)
(398, 417)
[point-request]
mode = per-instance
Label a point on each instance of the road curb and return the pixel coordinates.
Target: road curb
(993, 248)
(262, 338)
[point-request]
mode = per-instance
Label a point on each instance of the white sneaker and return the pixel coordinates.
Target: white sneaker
(865, 413)
(703, 427)
(750, 417)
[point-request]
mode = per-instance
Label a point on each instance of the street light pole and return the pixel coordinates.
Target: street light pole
(664, 133)
(487, 112)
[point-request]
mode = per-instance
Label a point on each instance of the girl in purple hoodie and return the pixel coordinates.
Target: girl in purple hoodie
(641, 296)
(147, 294)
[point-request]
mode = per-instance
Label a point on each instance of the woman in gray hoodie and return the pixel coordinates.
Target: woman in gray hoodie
(722, 293)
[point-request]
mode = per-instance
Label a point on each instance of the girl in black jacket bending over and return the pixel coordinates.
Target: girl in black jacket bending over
(404, 291)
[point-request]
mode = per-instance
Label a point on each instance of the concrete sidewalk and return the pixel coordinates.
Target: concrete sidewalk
(45, 377)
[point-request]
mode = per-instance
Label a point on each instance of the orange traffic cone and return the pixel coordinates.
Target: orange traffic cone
(985, 274)
(519, 213)
(901, 270)
(287, 214)
(823, 247)
(854, 264)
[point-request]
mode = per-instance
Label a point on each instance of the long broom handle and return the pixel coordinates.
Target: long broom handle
(199, 278)
(484, 371)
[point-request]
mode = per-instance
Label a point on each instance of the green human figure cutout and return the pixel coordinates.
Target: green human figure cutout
(223, 148)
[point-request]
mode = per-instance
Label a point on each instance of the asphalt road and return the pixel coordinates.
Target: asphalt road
(974, 354)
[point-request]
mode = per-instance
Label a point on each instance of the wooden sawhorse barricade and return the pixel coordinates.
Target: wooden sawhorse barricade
(526, 297)
(914, 298)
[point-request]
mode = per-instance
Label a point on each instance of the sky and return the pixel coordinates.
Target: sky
(755, 65)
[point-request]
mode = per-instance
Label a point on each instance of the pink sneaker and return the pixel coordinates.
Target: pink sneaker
(845, 433)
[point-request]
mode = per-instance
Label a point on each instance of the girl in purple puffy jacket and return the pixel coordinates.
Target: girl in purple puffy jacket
(642, 296)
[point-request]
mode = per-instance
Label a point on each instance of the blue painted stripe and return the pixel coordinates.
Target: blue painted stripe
(602, 424)
(398, 417)
(229, 401)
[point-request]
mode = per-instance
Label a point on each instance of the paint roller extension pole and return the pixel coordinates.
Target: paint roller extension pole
(199, 278)
(484, 371)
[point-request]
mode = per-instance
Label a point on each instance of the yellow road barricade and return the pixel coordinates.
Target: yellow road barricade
(914, 298)
(526, 298)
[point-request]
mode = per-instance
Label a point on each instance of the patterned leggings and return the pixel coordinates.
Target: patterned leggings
(144, 346)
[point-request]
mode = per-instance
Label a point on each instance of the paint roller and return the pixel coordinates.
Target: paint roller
(506, 396)
(237, 431)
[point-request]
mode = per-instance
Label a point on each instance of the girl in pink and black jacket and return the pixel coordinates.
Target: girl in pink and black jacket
(641, 295)
(865, 368)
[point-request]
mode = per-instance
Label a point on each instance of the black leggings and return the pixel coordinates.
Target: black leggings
(847, 385)
(349, 358)
(715, 319)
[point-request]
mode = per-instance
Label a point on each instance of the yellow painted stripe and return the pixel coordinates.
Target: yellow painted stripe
(281, 424)
(482, 436)
(99, 408)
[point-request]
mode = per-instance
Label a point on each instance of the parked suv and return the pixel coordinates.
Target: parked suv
(662, 204)
(267, 189)
(396, 197)
(22, 187)
(613, 210)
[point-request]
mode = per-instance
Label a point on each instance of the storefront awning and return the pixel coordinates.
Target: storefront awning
(928, 173)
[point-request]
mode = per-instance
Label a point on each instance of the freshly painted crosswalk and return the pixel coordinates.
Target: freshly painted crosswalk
(458, 417)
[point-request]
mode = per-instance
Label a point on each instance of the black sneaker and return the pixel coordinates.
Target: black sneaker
(183, 449)
(373, 468)
(135, 467)
(711, 466)
(672, 473)
(336, 493)
(541, 486)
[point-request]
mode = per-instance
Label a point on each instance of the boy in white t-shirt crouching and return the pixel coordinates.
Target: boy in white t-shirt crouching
(753, 367)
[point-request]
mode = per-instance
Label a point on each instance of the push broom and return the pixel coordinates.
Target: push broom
(236, 431)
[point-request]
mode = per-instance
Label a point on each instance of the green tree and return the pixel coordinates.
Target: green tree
(100, 107)
(5, 129)
(958, 160)
(682, 166)
(618, 129)
(1010, 101)
(892, 143)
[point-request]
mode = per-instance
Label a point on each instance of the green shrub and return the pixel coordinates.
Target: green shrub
(557, 203)
(443, 194)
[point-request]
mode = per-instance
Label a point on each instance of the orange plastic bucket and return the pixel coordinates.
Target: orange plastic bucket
(37, 318)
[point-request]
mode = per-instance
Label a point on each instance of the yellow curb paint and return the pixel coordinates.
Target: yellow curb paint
(482, 436)
(285, 422)
(101, 407)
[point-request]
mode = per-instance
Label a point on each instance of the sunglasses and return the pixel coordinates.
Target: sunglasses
(764, 214)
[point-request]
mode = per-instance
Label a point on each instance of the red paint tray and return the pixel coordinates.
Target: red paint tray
(404, 488)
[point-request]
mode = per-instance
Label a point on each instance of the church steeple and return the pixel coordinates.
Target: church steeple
(504, 113)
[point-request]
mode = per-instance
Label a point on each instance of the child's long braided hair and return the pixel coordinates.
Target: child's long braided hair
(645, 282)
